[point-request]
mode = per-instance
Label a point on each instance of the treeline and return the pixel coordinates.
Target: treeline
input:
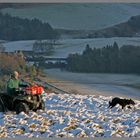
(15, 28)
(109, 59)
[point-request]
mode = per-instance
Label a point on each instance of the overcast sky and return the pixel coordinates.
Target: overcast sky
(67, 1)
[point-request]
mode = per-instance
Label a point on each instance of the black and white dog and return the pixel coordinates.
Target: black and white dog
(122, 102)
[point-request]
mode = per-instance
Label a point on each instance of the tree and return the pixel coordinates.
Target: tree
(11, 62)
(43, 47)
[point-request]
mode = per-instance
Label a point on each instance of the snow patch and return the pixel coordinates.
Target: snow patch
(73, 116)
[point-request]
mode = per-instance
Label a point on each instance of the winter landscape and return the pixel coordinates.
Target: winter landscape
(82, 109)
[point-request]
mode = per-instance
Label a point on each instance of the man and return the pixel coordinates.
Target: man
(14, 83)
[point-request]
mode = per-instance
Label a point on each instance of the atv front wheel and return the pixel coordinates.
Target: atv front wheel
(21, 107)
(42, 105)
(1, 108)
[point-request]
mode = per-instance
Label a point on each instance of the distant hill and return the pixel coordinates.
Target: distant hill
(131, 28)
(75, 16)
(81, 20)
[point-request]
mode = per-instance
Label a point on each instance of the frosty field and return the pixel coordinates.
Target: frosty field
(73, 116)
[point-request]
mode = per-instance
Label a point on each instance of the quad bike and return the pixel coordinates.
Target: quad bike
(24, 99)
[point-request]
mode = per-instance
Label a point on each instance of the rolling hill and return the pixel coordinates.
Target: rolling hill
(130, 28)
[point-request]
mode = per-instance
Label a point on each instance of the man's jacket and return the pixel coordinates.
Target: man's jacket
(13, 84)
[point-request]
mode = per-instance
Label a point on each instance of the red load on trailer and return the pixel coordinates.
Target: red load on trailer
(34, 90)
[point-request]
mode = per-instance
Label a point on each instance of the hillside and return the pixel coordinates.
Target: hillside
(130, 28)
(72, 115)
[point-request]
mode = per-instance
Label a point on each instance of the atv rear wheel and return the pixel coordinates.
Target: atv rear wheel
(21, 107)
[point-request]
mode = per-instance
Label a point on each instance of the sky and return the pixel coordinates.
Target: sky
(67, 1)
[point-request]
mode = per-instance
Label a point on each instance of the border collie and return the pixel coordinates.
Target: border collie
(122, 102)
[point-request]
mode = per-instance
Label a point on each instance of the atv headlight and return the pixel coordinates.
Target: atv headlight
(29, 98)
